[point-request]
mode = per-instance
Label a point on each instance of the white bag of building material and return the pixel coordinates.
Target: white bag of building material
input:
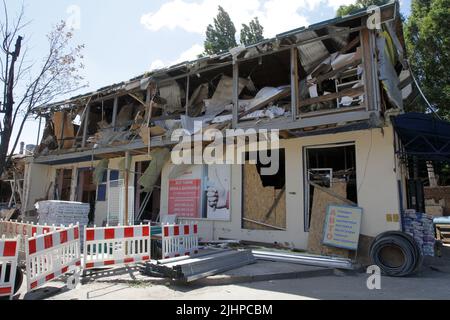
(64, 213)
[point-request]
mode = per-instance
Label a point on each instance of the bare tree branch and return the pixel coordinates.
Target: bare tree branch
(58, 75)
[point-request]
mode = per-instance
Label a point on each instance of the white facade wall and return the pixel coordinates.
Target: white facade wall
(377, 173)
(377, 176)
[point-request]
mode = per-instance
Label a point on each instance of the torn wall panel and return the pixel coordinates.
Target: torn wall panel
(196, 101)
(311, 53)
(172, 94)
(223, 95)
(64, 128)
(387, 72)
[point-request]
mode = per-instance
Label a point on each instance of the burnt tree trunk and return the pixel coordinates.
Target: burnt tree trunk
(9, 108)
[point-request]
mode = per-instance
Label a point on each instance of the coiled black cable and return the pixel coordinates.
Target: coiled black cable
(402, 247)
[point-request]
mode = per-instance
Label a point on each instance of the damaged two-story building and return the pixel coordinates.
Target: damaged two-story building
(331, 90)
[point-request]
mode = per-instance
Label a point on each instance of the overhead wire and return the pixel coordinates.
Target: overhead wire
(430, 107)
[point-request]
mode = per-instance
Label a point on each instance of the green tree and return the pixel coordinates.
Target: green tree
(358, 6)
(428, 43)
(252, 33)
(222, 36)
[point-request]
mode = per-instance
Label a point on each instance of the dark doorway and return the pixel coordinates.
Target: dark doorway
(87, 190)
(63, 184)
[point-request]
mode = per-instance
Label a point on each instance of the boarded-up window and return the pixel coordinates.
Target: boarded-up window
(264, 197)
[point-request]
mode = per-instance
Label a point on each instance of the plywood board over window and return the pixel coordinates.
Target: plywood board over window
(319, 211)
(264, 198)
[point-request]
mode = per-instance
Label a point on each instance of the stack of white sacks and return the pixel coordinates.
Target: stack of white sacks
(63, 213)
(421, 227)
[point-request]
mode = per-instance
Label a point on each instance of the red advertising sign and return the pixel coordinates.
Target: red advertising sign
(185, 198)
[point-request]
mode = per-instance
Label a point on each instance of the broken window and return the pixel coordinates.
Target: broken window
(63, 184)
(332, 168)
(264, 197)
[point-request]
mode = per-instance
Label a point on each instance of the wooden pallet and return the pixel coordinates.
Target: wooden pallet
(443, 233)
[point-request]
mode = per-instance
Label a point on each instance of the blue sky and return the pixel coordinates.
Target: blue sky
(124, 39)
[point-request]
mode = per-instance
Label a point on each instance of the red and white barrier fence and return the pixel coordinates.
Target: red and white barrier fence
(12, 229)
(9, 250)
(179, 240)
(51, 252)
(52, 255)
(111, 246)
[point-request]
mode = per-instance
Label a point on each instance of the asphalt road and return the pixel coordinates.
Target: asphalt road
(431, 283)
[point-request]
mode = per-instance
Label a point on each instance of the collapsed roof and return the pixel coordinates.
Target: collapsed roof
(335, 75)
(314, 43)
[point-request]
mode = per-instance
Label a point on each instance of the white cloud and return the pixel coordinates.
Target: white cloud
(188, 55)
(275, 15)
(157, 64)
(194, 16)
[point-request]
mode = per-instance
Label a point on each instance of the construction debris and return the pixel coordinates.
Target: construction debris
(151, 175)
(172, 94)
(197, 101)
(307, 260)
(64, 129)
(200, 266)
(9, 214)
(223, 95)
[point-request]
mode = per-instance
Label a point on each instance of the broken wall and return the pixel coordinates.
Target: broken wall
(64, 128)
(37, 185)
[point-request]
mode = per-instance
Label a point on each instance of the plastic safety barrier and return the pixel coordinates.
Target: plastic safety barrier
(9, 250)
(12, 229)
(111, 246)
(179, 240)
(52, 255)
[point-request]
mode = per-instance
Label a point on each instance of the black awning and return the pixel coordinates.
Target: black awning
(424, 136)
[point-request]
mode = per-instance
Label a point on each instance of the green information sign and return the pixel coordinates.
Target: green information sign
(343, 227)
